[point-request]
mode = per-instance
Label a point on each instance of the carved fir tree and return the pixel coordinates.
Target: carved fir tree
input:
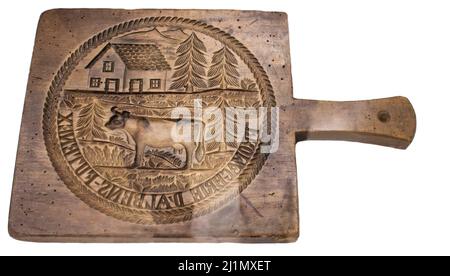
(90, 121)
(190, 65)
(223, 71)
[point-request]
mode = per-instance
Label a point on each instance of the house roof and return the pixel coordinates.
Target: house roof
(136, 56)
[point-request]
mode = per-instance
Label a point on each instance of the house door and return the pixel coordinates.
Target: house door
(112, 85)
(136, 85)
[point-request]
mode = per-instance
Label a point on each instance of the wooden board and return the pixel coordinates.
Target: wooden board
(97, 158)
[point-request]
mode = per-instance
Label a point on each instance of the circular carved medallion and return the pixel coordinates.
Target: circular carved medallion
(109, 119)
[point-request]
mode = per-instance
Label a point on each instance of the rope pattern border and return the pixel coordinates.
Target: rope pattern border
(135, 215)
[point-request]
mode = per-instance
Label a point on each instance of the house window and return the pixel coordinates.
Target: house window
(136, 85)
(155, 83)
(108, 66)
(94, 82)
(112, 85)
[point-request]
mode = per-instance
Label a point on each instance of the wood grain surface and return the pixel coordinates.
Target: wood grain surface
(97, 74)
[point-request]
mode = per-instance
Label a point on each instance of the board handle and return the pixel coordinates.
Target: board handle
(388, 122)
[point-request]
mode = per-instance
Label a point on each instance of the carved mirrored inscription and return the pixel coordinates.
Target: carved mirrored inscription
(109, 119)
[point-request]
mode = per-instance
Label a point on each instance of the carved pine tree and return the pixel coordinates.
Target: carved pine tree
(90, 121)
(223, 71)
(190, 65)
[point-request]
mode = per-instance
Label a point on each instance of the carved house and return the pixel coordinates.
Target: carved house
(121, 67)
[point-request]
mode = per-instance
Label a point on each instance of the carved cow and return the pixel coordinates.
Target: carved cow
(154, 132)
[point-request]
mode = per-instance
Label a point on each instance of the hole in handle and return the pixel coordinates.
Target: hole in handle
(384, 116)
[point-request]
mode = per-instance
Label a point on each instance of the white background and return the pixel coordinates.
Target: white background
(354, 198)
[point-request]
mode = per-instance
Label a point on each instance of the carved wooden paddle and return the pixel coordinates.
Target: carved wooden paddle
(172, 125)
